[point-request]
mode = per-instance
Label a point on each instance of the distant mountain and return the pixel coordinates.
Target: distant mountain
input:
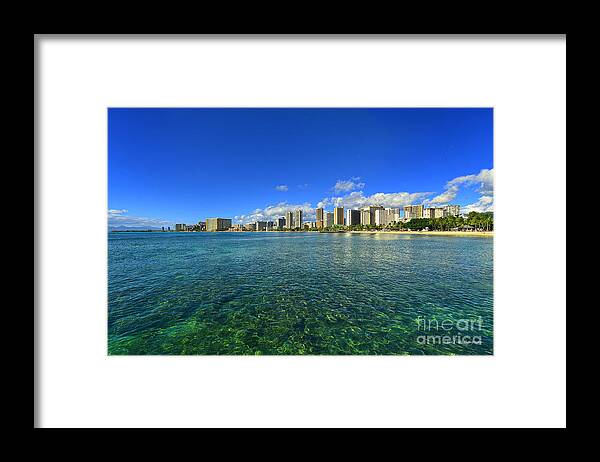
(133, 228)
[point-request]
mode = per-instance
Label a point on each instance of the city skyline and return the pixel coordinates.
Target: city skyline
(373, 215)
(170, 166)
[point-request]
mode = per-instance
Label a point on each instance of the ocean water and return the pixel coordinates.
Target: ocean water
(299, 294)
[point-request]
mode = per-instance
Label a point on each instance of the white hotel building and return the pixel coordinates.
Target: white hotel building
(384, 217)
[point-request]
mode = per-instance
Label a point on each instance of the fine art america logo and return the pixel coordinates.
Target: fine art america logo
(449, 331)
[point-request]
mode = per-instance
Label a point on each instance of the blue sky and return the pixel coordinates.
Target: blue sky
(169, 166)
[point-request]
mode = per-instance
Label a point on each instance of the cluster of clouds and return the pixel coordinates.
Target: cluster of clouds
(483, 181)
(352, 184)
(484, 204)
(349, 194)
(276, 211)
(357, 199)
(119, 218)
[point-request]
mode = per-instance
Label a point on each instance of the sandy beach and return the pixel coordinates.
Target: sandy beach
(434, 233)
(422, 233)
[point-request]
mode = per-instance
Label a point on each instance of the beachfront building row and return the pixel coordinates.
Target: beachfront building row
(375, 215)
(277, 225)
(201, 226)
(381, 216)
(292, 220)
(371, 215)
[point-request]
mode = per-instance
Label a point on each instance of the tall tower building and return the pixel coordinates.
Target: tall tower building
(319, 217)
(352, 217)
(413, 211)
(372, 209)
(338, 216)
(393, 215)
(365, 216)
(380, 217)
(298, 219)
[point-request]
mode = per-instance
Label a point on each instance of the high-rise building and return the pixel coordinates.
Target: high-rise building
(328, 219)
(289, 220)
(451, 211)
(387, 216)
(365, 216)
(218, 224)
(393, 215)
(433, 212)
(380, 217)
(372, 209)
(319, 212)
(352, 217)
(338, 216)
(413, 211)
(298, 219)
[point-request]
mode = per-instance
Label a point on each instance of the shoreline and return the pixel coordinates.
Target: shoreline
(421, 233)
(432, 233)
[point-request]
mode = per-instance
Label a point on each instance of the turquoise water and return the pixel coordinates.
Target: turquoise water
(299, 293)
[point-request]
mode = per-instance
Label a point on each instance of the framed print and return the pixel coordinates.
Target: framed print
(325, 231)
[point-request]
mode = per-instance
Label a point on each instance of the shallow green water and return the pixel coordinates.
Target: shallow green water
(299, 293)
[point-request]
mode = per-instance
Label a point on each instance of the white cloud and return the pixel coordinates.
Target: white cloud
(348, 185)
(118, 218)
(271, 212)
(281, 187)
(484, 204)
(357, 199)
(447, 196)
(114, 212)
(484, 180)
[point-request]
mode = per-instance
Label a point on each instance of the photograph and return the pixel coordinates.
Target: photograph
(300, 231)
